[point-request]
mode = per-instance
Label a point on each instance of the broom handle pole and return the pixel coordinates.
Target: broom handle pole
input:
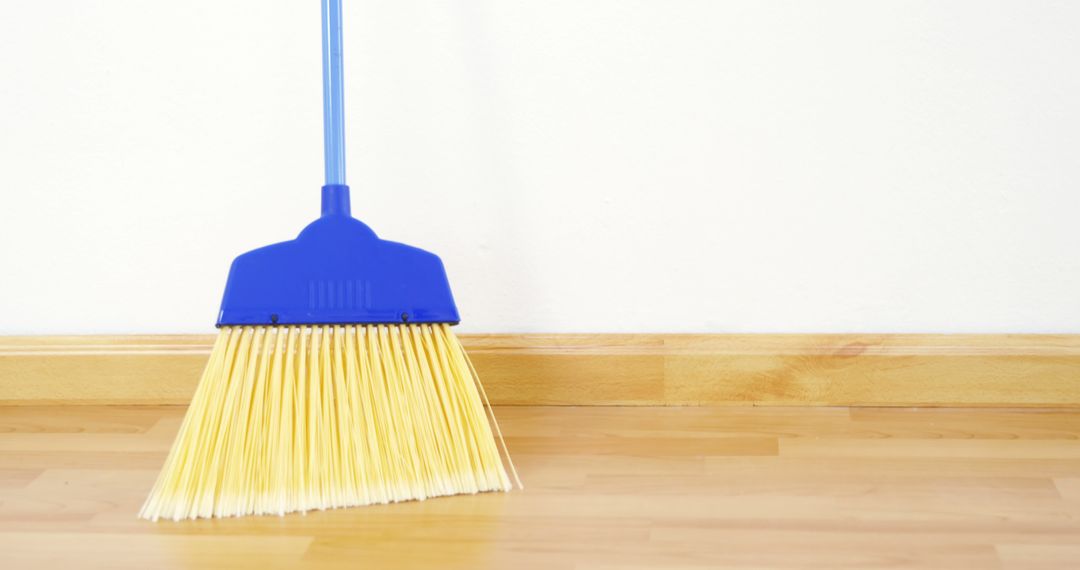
(333, 93)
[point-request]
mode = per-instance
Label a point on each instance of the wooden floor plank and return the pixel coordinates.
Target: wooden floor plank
(949, 448)
(122, 551)
(635, 487)
(17, 478)
(74, 419)
(1042, 556)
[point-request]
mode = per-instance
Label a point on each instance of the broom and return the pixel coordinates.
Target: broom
(335, 380)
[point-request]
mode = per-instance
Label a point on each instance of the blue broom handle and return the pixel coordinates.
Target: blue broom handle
(333, 93)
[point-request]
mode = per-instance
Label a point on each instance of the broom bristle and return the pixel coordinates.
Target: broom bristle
(291, 418)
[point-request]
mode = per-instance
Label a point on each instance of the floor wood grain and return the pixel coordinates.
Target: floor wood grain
(606, 488)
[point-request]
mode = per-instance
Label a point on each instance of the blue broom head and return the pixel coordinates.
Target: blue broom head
(337, 271)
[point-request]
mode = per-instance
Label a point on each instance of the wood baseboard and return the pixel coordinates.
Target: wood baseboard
(603, 369)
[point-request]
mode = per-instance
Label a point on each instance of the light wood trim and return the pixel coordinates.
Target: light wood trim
(611, 369)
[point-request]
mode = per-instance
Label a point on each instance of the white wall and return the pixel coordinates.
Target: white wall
(580, 165)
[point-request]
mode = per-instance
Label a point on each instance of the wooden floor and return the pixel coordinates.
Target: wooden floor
(605, 488)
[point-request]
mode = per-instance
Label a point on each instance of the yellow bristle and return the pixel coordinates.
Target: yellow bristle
(294, 418)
